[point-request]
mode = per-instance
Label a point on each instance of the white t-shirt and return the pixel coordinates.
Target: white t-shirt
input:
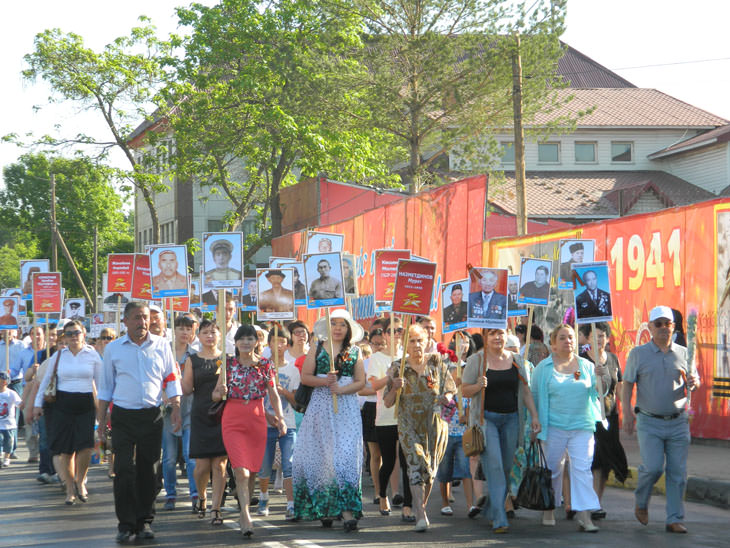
(374, 397)
(9, 400)
(378, 368)
(230, 341)
(289, 379)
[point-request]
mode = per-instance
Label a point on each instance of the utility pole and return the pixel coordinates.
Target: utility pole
(54, 240)
(96, 266)
(519, 140)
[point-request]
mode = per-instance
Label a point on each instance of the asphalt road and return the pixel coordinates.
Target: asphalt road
(32, 514)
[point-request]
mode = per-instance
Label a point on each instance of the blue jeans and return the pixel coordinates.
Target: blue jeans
(501, 431)
(7, 441)
(658, 438)
(286, 444)
(45, 464)
(455, 464)
(169, 462)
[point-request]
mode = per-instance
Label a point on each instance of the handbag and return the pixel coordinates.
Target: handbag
(49, 394)
(473, 441)
(536, 489)
(215, 411)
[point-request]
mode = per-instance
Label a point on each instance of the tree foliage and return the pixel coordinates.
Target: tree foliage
(439, 73)
(249, 116)
(119, 83)
(85, 198)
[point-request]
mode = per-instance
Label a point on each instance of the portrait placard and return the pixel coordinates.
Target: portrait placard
(27, 269)
(223, 259)
(535, 277)
(413, 289)
(249, 295)
(514, 308)
(169, 271)
(453, 314)
(573, 252)
(386, 268)
(278, 262)
(75, 309)
(323, 276)
(275, 296)
(349, 277)
(47, 292)
(15, 292)
(593, 297)
(195, 301)
(9, 317)
(488, 298)
(324, 242)
(300, 289)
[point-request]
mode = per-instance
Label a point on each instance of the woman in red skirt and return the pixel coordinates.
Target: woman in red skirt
(248, 380)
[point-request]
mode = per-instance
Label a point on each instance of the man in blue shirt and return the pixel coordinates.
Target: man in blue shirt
(19, 362)
(137, 368)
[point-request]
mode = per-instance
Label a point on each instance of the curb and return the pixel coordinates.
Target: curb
(708, 491)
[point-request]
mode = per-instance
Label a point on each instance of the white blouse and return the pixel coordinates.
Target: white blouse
(79, 373)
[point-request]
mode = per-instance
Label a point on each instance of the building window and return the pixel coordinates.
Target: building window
(585, 153)
(508, 152)
(622, 151)
(215, 225)
(548, 153)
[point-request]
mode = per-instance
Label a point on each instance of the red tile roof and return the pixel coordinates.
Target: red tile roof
(592, 194)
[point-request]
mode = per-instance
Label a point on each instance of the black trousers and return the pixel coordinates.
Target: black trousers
(136, 443)
(387, 440)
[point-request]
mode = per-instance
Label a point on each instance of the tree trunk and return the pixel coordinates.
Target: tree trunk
(150, 201)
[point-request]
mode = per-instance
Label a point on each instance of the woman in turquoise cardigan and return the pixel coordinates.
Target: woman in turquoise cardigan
(564, 389)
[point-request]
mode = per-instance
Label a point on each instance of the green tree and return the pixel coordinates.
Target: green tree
(248, 114)
(85, 198)
(119, 83)
(439, 73)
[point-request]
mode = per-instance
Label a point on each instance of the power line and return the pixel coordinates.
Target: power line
(675, 63)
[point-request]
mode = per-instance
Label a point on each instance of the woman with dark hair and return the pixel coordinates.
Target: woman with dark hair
(608, 453)
(327, 463)
(71, 433)
(248, 380)
(200, 376)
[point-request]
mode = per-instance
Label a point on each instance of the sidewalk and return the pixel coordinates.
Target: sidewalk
(708, 470)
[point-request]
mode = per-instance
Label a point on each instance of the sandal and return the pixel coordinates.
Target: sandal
(217, 519)
(201, 508)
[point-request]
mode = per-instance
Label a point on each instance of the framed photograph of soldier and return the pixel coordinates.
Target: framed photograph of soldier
(487, 298)
(515, 309)
(535, 281)
(195, 301)
(169, 270)
(278, 262)
(15, 292)
(9, 316)
(300, 290)
(223, 259)
(323, 278)
(249, 294)
(75, 309)
(454, 306)
(573, 252)
(324, 242)
(27, 269)
(275, 295)
(349, 278)
(593, 297)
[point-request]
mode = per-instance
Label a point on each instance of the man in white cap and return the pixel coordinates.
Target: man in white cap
(663, 377)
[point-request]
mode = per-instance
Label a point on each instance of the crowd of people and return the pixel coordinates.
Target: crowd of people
(315, 408)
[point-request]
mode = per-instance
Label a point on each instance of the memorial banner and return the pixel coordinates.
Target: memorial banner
(386, 270)
(141, 284)
(120, 270)
(413, 287)
(47, 292)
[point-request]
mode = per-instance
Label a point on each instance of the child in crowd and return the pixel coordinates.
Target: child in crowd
(9, 400)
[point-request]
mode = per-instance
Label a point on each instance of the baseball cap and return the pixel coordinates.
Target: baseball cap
(512, 341)
(155, 308)
(661, 312)
(4, 375)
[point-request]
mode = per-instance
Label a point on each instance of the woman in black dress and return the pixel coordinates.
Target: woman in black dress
(608, 453)
(206, 443)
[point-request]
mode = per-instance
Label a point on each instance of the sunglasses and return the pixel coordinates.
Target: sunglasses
(106, 338)
(662, 323)
(73, 333)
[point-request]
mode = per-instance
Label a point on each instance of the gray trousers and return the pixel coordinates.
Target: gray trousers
(659, 439)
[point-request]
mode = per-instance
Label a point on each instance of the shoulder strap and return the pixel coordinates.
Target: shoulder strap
(55, 365)
(517, 366)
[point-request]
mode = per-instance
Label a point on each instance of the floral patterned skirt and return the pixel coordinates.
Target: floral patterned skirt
(423, 436)
(327, 462)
